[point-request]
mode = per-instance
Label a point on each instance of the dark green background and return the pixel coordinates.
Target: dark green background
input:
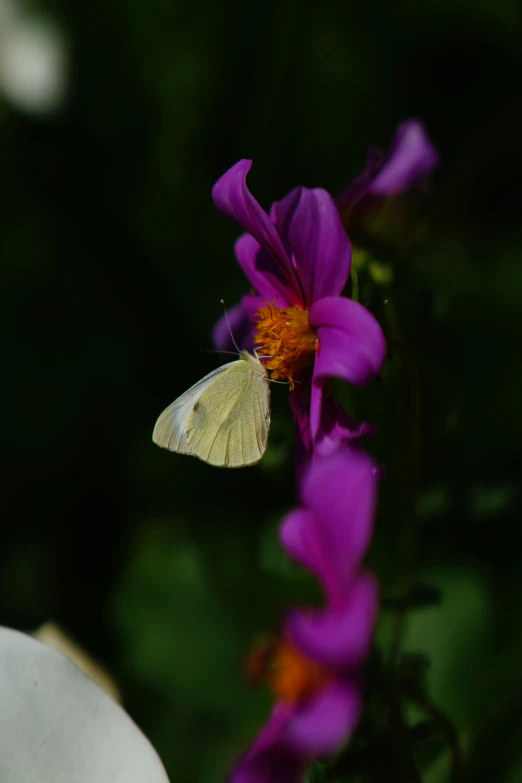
(115, 261)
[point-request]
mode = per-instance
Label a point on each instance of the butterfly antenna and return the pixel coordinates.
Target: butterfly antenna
(210, 350)
(229, 327)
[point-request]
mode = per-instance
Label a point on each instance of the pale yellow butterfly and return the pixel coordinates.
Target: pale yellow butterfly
(224, 418)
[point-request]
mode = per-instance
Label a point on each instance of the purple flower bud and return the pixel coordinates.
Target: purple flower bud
(412, 158)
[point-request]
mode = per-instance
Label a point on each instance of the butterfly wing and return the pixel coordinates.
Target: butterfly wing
(170, 428)
(229, 423)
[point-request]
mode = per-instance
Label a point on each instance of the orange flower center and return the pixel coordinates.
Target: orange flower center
(286, 336)
(290, 675)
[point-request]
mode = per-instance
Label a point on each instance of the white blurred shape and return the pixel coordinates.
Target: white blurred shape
(51, 634)
(58, 726)
(32, 60)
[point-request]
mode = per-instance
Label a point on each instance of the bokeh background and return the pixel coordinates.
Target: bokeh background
(115, 121)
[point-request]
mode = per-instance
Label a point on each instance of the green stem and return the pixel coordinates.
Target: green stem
(411, 397)
(408, 538)
(459, 773)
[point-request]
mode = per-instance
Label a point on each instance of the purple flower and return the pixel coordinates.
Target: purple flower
(314, 669)
(411, 160)
(298, 261)
(336, 428)
(329, 535)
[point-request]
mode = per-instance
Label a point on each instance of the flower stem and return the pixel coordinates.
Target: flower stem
(459, 772)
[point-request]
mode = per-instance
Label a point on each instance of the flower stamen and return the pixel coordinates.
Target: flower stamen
(290, 675)
(286, 337)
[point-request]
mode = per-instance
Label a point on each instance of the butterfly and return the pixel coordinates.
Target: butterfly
(223, 419)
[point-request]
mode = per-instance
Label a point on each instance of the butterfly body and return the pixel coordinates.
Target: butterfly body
(223, 419)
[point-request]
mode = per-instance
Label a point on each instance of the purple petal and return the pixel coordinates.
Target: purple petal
(269, 760)
(360, 185)
(260, 271)
(240, 325)
(352, 345)
(272, 731)
(317, 403)
(332, 425)
(321, 425)
(322, 725)
(299, 407)
(412, 157)
(331, 534)
(309, 222)
(341, 492)
(301, 540)
(231, 196)
(339, 637)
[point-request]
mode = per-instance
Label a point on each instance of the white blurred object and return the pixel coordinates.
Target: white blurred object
(50, 633)
(32, 60)
(58, 726)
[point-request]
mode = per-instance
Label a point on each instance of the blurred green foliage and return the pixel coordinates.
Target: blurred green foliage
(115, 261)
